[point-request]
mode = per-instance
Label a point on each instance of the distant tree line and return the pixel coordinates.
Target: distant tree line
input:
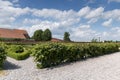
(40, 35)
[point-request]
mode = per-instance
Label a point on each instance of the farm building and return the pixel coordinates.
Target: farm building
(56, 40)
(13, 34)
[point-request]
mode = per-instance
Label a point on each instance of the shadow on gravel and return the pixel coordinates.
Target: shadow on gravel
(66, 64)
(10, 66)
(80, 60)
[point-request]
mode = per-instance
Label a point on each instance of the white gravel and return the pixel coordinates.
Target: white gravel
(101, 68)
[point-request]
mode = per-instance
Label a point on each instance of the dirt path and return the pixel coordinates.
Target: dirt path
(101, 68)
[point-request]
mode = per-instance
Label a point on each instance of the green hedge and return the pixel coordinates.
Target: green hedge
(18, 52)
(51, 54)
(2, 54)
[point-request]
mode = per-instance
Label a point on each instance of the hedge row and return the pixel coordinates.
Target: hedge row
(18, 52)
(51, 54)
(2, 54)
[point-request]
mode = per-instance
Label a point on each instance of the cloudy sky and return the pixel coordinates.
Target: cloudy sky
(83, 19)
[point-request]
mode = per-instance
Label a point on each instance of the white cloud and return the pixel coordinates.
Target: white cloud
(114, 14)
(95, 13)
(107, 23)
(82, 33)
(5, 26)
(5, 4)
(115, 32)
(105, 34)
(115, 28)
(55, 14)
(84, 11)
(31, 21)
(84, 26)
(9, 13)
(16, 11)
(93, 20)
(119, 18)
(70, 14)
(112, 34)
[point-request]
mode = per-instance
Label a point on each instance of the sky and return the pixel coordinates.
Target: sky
(83, 19)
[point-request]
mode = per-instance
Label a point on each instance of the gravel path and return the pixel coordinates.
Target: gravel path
(101, 68)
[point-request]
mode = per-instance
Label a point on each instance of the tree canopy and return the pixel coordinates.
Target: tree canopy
(47, 35)
(38, 35)
(66, 36)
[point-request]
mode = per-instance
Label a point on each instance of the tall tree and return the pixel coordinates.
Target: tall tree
(38, 35)
(66, 36)
(47, 35)
(94, 40)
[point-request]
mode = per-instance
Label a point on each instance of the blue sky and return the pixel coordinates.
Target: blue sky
(83, 19)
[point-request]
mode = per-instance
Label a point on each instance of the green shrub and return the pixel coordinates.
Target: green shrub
(18, 52)
(21, 56)
(2, 54)
(17, 48)
(47, 55)
(95, 50)
(51, 54)
(3, 45)
(73, 53)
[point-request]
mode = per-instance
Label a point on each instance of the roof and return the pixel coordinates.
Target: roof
(56, 40)
(13, 33)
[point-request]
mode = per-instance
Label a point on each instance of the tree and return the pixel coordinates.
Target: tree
(47, 35)
(38, 35)
(66, 36)
(94, 40)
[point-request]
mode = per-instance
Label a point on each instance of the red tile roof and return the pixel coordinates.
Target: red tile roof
(13, 33)
(56, 40)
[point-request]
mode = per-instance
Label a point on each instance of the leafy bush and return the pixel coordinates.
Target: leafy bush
(47, 55)
(17, 48)
(2, 54)
(50, 54)
(18, 52)
(95, 50)
(73, 53)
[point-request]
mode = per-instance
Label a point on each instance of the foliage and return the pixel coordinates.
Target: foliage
(47, 35)
(108, 41)
(3, 45)
(66, 36)
(10, 39)
(38, 35)
(50, 54)
(17, 48)
(2, 54)
(94, 40)
(18, 52)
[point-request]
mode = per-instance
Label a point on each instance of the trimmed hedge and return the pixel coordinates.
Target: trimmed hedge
(51, 54)
(18, 52)
(2, 54)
